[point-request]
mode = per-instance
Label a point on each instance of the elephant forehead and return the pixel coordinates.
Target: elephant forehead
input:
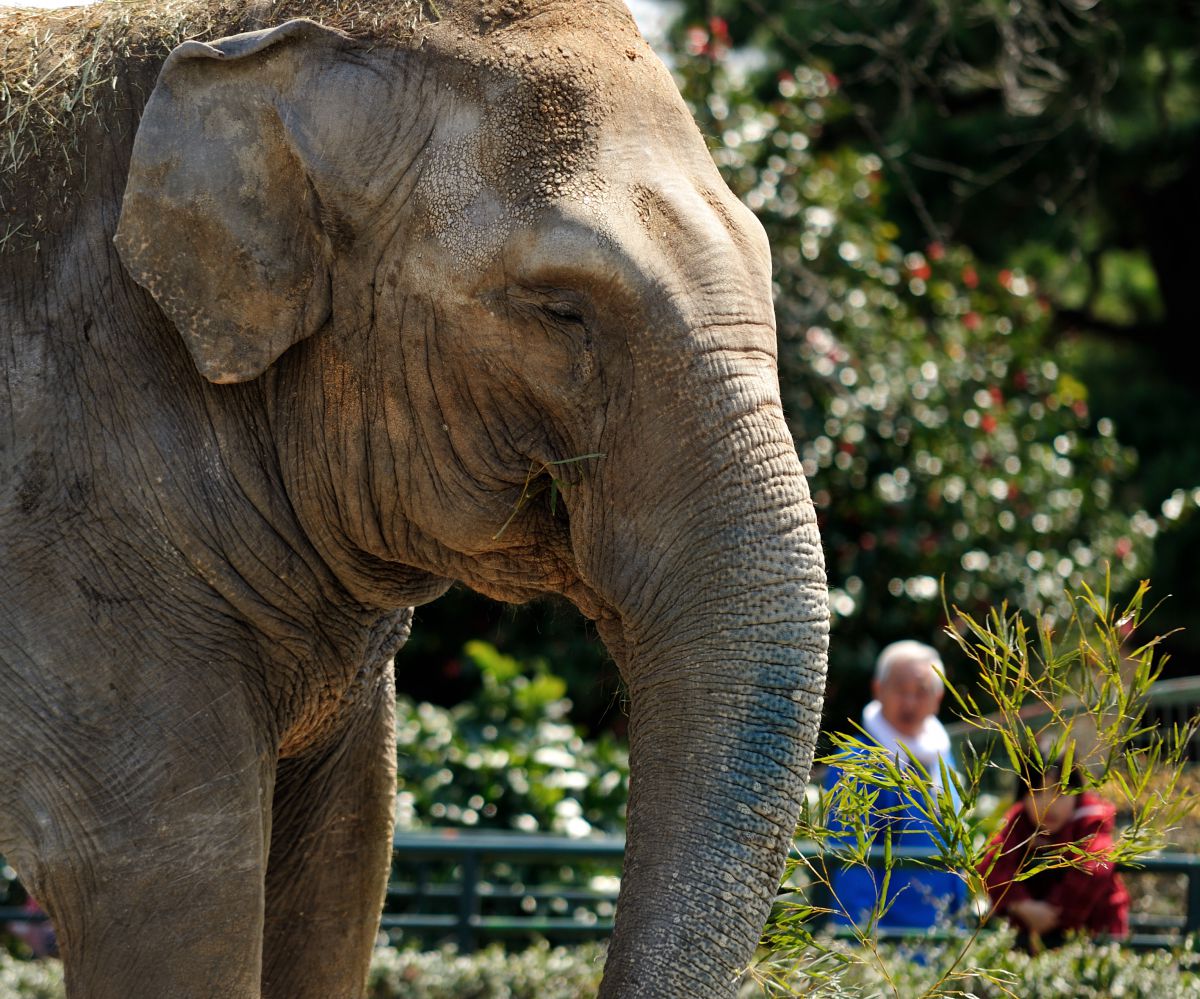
(511, 144)
(533, 99)
(559, 77)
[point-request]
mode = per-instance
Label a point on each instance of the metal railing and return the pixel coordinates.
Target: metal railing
(472, 852)
(436, 909)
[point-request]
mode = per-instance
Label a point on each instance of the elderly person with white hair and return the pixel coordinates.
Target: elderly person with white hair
(902, 720)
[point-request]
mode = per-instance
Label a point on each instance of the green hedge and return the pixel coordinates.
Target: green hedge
(30, 979)
(1077, 971)
(539, 972)
(990, 969)
(508, 758)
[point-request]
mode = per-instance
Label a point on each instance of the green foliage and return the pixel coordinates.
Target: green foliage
(431, 667)
(509, 758)
(1001, 125)
(538, 972)
(994, 970)
(1072, 689)
(30, 979)
(1077, 971)
(1156, 415)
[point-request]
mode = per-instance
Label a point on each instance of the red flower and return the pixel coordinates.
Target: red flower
(935, 251)
(971, 320)
(970, 277)
(987, 423)
(1005, 278)
(1020, 381)
(867, 542)
(697, 41)
(833, 81)
(1123, 547)
(997, 395)
(921, 271)
(712, 43)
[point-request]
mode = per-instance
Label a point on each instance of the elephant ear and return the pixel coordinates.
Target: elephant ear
(221, 222)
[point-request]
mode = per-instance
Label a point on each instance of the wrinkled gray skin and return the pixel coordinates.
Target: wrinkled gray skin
(356, 292)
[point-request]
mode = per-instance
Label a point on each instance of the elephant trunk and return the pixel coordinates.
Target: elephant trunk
(725, 662)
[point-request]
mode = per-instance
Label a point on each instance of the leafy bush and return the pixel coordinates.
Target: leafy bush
(30, 979)
(1077, 971)
(508, 759)
(994, 970)
(1074, 689)
(538, 972)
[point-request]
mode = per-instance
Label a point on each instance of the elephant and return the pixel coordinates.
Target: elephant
(303, 323)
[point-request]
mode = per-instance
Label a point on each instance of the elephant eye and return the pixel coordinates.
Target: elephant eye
(567, 312)
(558, 305)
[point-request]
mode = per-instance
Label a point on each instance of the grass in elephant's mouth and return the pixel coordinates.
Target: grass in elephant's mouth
(540, 481)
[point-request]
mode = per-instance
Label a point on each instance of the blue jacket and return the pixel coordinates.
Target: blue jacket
(916, 898)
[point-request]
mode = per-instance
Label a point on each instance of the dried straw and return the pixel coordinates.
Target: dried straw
(60, 66)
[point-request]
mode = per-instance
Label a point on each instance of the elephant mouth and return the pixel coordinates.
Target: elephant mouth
(544, 511)
(554, 505)
(540, 511)
(531, 552)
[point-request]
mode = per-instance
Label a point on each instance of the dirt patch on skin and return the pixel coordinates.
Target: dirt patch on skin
(545, 75)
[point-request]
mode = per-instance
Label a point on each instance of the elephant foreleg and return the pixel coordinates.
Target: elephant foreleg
(330, 857)
(148, 852)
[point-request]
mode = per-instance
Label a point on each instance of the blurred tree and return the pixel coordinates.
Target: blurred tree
(946, 431)
(1060, 138)
(1064, 132)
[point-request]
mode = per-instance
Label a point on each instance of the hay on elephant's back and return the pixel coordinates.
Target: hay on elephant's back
(59, 66)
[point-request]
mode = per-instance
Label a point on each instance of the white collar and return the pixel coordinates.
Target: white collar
(928, 746)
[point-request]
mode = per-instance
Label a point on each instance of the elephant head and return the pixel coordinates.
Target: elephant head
(513, 329)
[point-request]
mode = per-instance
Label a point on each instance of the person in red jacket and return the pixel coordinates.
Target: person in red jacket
(1086, 897)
